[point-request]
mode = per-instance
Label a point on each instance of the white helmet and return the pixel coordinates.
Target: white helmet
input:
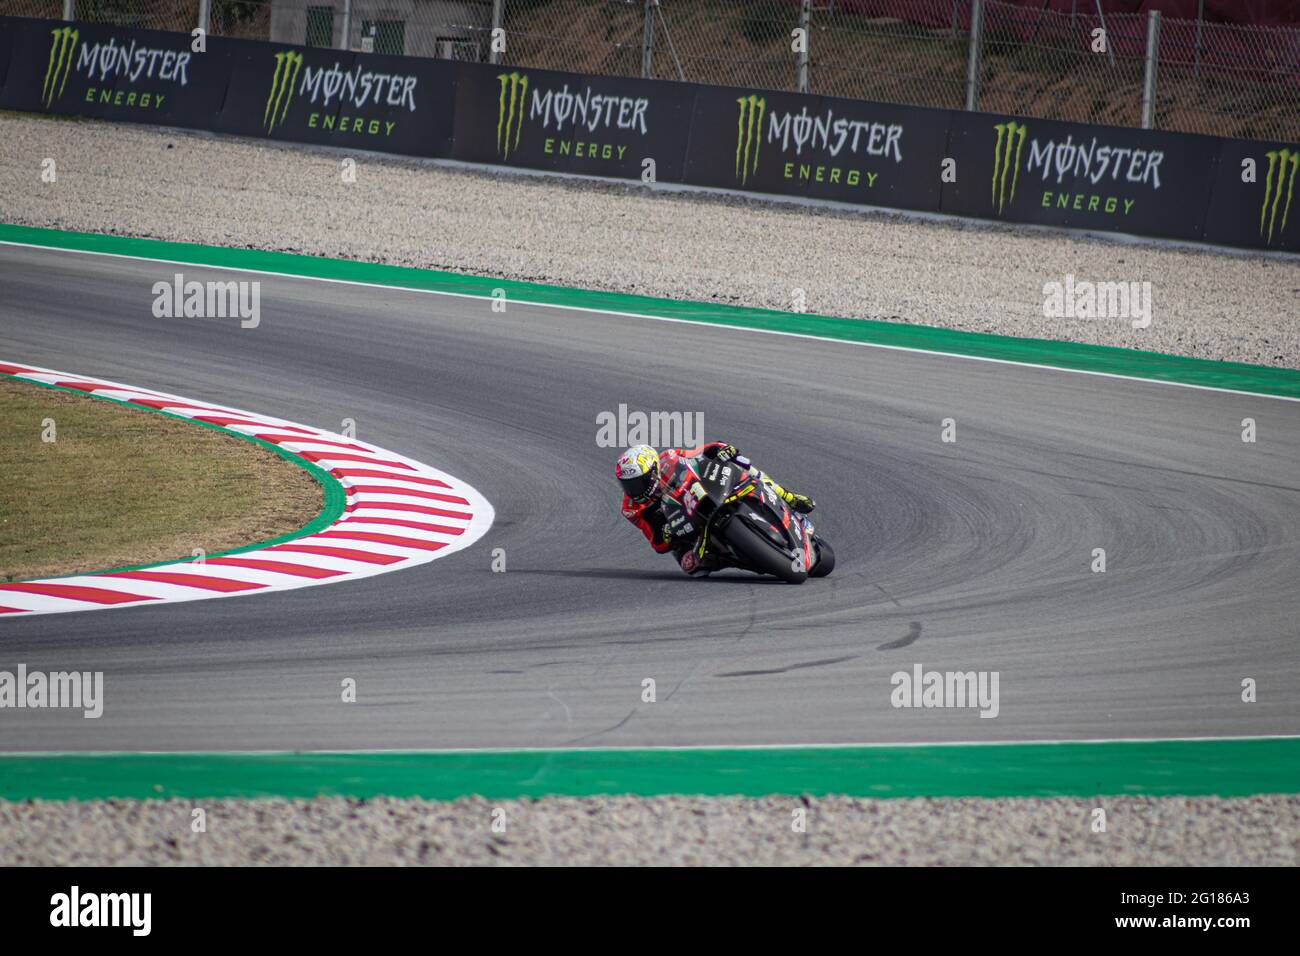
(637, 470)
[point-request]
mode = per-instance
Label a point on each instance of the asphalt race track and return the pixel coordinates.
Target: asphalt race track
(973, 555)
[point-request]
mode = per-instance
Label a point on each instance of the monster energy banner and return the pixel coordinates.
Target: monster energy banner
(608, 126)
(98, 70)
(817, 146)
(1074, 174)
(1002, 168)
(334, 97)
(1256, 199)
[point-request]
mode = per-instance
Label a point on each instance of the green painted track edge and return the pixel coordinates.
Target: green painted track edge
(333, 496)
(1217, 767)
(1068, 355)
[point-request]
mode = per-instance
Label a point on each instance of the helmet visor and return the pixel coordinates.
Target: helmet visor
(641, 487)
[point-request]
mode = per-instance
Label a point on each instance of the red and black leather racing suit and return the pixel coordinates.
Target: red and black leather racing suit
(649, 516)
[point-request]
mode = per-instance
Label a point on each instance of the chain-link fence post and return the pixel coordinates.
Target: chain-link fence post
(69, 9)
(498, 12)
(1200, 25)
(805, 30)
(1101, 17)
(973, 60)
(1149, 80)
(345, 36)
(648, 40)
(205, 16)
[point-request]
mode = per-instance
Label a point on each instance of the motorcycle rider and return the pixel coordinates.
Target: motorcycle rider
(646, 475)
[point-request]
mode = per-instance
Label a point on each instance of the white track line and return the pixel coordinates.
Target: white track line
(631, 748)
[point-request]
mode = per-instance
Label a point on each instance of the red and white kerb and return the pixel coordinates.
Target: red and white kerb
(399, 513)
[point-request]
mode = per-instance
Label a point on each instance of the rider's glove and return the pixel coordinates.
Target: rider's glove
(800, 503)
(730, 453)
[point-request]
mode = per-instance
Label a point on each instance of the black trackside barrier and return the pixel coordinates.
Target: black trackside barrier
(6, 49)
(981, 165)
(1074, 174)
(91, 69)
(337, 98)
(1256, 198)
(817, 146)
(568, 122)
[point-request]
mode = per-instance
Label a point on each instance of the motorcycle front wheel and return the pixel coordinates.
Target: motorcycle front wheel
(825, 559)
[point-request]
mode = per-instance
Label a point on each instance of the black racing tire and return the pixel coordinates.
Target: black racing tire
(825, 559)
(760, 553)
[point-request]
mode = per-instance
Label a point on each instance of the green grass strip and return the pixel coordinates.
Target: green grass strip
(334, 497)
(1071, 355)
(1228, 768)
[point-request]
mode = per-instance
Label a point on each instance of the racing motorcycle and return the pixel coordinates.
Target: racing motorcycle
(728, 513)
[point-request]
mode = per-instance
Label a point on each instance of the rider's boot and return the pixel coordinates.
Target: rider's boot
(800, 503)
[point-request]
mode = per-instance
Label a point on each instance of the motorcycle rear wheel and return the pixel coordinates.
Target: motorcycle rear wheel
(761, 554)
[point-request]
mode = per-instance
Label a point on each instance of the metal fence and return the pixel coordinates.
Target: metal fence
(1235, 80)
(1075, 64)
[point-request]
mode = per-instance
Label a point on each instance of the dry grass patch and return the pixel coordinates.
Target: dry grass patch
(125, 486)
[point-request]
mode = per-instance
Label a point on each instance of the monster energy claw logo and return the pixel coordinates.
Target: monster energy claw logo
(62, 46)
(287, 66)
(510, 111)
(749, 135)
(1006, 159)
(1282, 165)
